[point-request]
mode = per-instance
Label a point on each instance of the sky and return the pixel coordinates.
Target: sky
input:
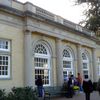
(64, 8)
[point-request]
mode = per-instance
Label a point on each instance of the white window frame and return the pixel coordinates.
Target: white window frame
(87, 62)
(6, 53)
(4, 41)
(37, 55)
(68, 70)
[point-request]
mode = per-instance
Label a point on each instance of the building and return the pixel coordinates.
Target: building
(36, 42)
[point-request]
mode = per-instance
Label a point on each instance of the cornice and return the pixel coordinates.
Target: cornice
(30, 14)
(11, 10)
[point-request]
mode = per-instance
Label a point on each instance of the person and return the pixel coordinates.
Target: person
(87, 87)
(70, 88)
(39, 84)
(98, 86)
(80, 81)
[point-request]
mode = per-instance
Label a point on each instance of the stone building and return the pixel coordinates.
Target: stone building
(36, 42)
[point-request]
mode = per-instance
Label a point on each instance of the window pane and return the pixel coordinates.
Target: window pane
(84, 65)
(40, 49)
(65, 75)
(41, 62)
(44, 74)
(84, 56)
(66, 53)
(4, 45)
(66, 64)
(4, 65)
(85, 72)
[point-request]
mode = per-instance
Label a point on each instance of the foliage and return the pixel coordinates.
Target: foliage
(98, 86)
(64, 88)
(2, 95)
(92, 13)
(26, 93)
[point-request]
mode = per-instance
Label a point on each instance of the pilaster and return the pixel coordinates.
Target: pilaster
(28, 59)
(95, 75)
(79, 59)
(59, 62)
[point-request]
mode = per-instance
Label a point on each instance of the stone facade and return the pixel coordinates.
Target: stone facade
(28, 27)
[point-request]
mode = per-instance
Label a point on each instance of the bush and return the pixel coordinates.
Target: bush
(2, 95)
(64, 89)
(94, 86)
(98, 86)
(26, 93)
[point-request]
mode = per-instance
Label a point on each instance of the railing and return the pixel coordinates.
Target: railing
(65, 22)
(44, 13)
(70, 24)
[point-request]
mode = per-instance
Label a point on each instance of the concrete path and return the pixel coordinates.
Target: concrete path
(80, 96)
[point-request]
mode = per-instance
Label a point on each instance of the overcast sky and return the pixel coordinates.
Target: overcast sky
(63, 8)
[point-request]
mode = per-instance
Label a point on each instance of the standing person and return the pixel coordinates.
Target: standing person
(87, 87)
(80, 81)
(70, 88)
(39, 84)
(98, 86)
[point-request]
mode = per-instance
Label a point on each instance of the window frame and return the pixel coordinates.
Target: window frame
(6, 53)
(6, 50)
(69, 59)
(87, 62)
(45, 56)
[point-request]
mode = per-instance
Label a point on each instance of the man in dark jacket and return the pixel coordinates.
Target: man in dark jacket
(39, 84)
(87, 87)
(70, 88)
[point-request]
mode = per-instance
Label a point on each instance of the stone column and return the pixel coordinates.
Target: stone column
(28, 59)
(59, 55)
(79, 60)
(95, 75)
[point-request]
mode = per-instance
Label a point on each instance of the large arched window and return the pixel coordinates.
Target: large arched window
(85, 60)
(67, 63)
(42, 63)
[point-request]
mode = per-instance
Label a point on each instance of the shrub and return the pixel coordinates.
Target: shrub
(2, 94)
(64, 89)
(98, 86)
(94, 86)
(26, 93)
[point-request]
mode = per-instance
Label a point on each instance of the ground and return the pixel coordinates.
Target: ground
(80, 96)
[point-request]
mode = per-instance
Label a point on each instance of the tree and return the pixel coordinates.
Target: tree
(92, 13)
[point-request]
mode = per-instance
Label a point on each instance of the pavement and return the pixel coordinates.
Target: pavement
(80, 96)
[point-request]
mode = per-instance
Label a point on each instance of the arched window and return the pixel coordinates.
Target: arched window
(42, 63)
(67, 63)
(85, 60)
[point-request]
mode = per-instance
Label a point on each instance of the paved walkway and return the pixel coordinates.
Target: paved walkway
(80, 96)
